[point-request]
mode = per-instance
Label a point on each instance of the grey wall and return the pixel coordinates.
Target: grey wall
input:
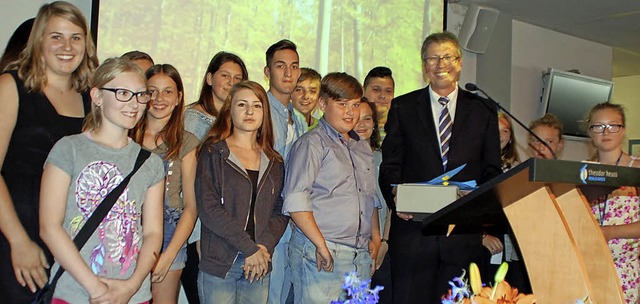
(494, 66)
(534, 50)
(14, 12)
(511, 68)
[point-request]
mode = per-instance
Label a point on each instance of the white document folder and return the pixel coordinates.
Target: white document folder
(421, 200)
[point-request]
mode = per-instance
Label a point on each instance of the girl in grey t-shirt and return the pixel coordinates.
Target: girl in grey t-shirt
(114, 265)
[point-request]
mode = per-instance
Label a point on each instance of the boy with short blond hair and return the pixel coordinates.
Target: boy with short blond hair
(305, 97)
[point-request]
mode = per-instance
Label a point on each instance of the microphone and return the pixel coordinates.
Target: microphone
(473, 87)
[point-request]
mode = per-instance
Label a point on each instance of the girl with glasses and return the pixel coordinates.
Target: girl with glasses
(618, 212)
(114, 264)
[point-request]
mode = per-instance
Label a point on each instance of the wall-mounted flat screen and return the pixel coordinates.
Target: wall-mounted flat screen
(570, 96)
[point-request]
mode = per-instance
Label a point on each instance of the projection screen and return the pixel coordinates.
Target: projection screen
(351, 36)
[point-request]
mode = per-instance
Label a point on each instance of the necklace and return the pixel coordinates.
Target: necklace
(603, 211)
(617, 160)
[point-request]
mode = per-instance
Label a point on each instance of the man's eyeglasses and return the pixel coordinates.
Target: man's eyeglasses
(613, 128)
(124, 95)
(447, 59)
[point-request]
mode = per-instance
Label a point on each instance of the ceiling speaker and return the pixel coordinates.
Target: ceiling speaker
(477, 28)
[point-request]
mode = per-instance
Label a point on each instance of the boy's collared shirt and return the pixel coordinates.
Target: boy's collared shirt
(335, 179)
(316, 115)
(280, 123)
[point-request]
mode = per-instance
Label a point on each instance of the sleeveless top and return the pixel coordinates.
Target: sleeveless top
(38, 127)
(621, 207)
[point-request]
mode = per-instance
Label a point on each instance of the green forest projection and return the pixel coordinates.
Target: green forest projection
(351, 36)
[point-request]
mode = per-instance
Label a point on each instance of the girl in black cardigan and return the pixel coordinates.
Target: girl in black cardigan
(238, 183)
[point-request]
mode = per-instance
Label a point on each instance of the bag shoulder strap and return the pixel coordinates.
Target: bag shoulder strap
(107, 203)
(103, 209)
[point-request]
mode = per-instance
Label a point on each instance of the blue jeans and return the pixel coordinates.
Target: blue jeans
(281, 272)
(171, 218)
(313, 286)
(233, 288)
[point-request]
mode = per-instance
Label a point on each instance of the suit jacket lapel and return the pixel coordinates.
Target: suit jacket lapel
(462, 116)
(425, 116)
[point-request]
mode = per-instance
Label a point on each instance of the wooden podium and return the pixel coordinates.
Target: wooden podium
(546, 204)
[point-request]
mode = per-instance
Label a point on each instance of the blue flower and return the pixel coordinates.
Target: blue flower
(358, 291)
(459, 290)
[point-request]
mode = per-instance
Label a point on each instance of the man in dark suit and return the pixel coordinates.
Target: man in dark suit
(430, 131)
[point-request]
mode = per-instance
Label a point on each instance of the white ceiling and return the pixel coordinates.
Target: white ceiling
(611, 22)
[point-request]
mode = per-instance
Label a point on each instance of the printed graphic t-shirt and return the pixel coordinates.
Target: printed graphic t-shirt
(95, 170)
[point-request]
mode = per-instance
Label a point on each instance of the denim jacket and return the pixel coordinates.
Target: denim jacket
(197, 122)
(223, 195)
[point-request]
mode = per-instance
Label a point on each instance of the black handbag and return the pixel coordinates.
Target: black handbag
(45, 294)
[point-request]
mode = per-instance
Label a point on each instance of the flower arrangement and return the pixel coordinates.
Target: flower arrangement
(464, 292)
(358, 291)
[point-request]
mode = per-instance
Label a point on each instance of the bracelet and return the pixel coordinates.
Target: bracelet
(383, 240)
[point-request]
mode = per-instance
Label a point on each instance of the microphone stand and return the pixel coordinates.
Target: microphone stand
(473, 87)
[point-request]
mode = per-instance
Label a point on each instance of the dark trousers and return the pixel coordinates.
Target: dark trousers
(382, 277)
(189, 277)
(422, 265)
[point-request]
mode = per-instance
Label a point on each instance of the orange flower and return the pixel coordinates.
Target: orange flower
(503, 293)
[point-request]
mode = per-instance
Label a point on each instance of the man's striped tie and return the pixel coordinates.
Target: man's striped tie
(444, 130)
